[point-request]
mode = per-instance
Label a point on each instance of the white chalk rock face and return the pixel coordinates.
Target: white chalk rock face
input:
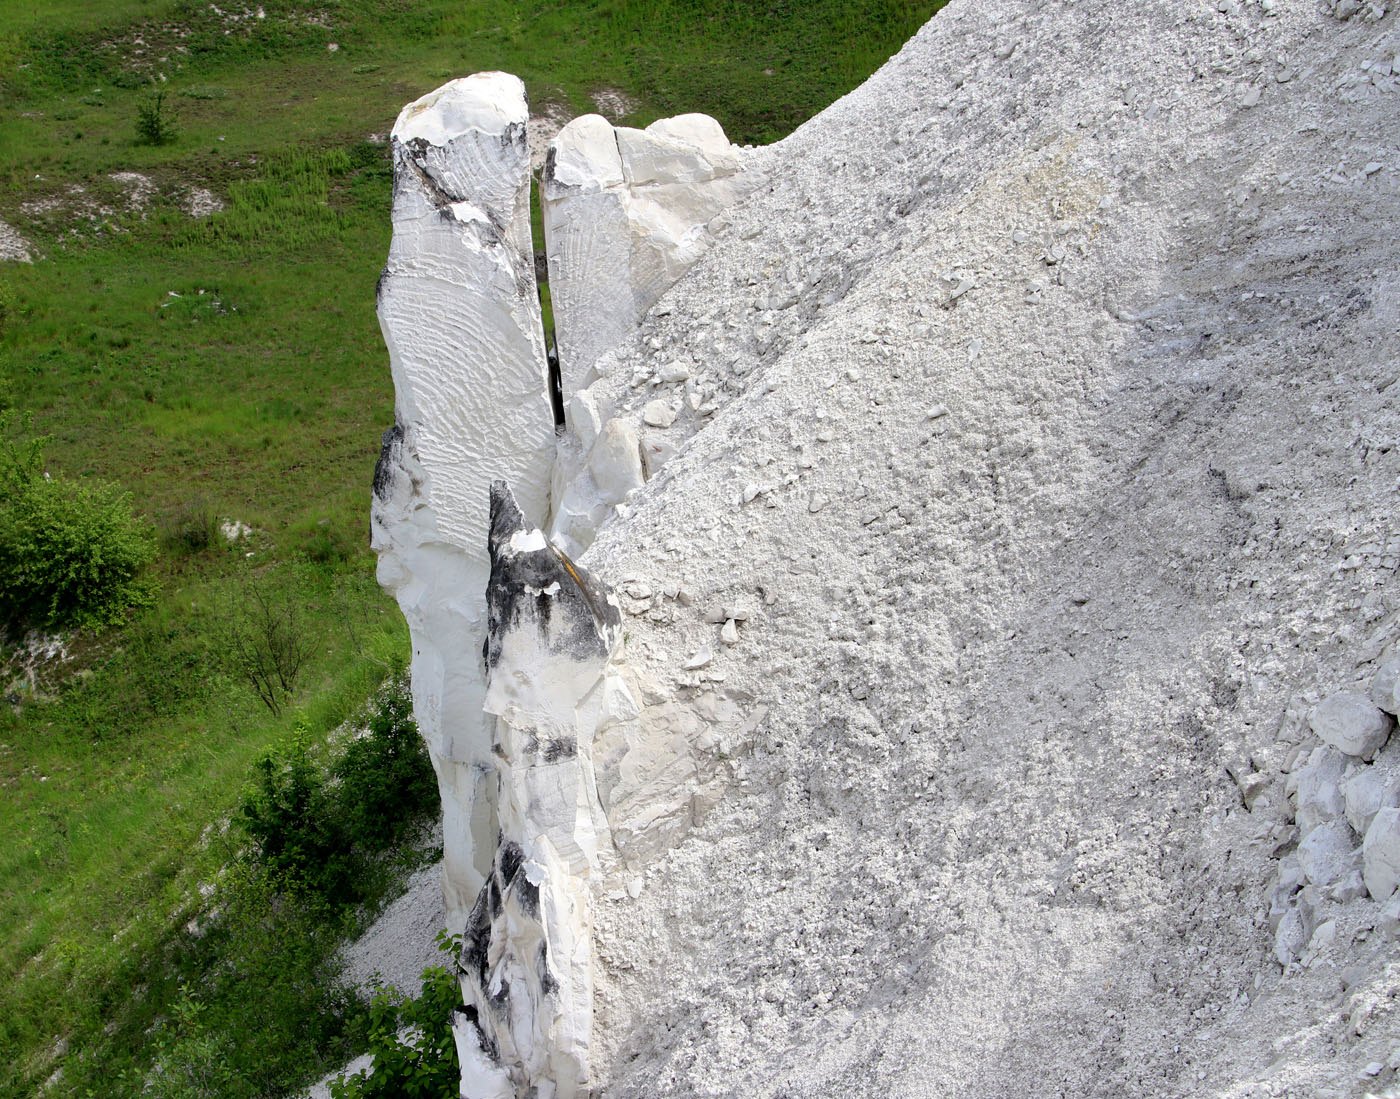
(459, 311)
(1352, 723)
(625, 212)
(526, 960)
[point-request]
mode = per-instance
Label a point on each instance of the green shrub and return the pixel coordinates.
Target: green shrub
(191, 1061)
(298, 835)
(420, 1064)
(386, 782)
(320, 831)
(71, 552)
(155, 119)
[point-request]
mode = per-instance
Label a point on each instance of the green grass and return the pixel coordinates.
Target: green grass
(231, 367)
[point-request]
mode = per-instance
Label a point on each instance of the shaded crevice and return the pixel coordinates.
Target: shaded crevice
(551, 344)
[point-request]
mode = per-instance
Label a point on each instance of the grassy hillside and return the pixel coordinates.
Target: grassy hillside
(228, 367)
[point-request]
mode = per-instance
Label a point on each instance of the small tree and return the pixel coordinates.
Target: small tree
(266, 647)
(155, 118)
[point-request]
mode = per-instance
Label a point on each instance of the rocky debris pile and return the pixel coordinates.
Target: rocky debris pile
(1345, 794)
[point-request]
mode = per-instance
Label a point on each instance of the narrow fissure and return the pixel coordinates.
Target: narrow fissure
(551, 345)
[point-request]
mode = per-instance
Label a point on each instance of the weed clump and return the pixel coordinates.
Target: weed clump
(411, 1041)
(71, 552)
(155, 119)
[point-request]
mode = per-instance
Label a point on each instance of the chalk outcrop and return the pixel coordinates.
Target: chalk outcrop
(526, 961)
(459, 310)
(625, 214)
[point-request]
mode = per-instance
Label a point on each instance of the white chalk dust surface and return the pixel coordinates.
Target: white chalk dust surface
(1042, 410)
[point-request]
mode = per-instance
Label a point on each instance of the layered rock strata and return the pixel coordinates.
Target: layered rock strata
(526, 961)
(459, 310)
(625, 215)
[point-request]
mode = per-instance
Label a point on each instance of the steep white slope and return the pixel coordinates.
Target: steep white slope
(1035, 468)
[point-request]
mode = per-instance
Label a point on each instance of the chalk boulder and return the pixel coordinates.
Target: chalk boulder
(1351, 722)
(1384, 682)
(1320, 797)
(1327, 853)
(1367, 793)
(1381, 855)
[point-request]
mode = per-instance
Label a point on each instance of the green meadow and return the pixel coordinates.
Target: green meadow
(224, 368)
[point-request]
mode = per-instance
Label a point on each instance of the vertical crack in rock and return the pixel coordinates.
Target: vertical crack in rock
(460, 314)
(625, 215)
(526, 962)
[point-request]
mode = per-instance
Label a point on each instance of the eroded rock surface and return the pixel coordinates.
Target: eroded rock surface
(625, 213)
(459, 310)
(526, 962)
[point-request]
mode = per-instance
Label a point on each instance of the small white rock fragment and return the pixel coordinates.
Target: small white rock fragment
(818, 501)
(729, 633)
(616, 461)
(1351, 722)
(634, 887)
(698, 659)
(676, 371)
(1294, 931)
(937, 411)
(658, 413)
(750, 491)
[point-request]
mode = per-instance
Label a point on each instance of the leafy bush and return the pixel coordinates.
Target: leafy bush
(386, 782)
(70, 551)
(415, 1056)
(191, 1061)
(319, 830)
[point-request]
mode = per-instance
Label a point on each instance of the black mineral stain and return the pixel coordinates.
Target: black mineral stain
(575, 621)
(560, 748)
(548, 984)
(510, 857)
(527, 895)
(389, 445)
